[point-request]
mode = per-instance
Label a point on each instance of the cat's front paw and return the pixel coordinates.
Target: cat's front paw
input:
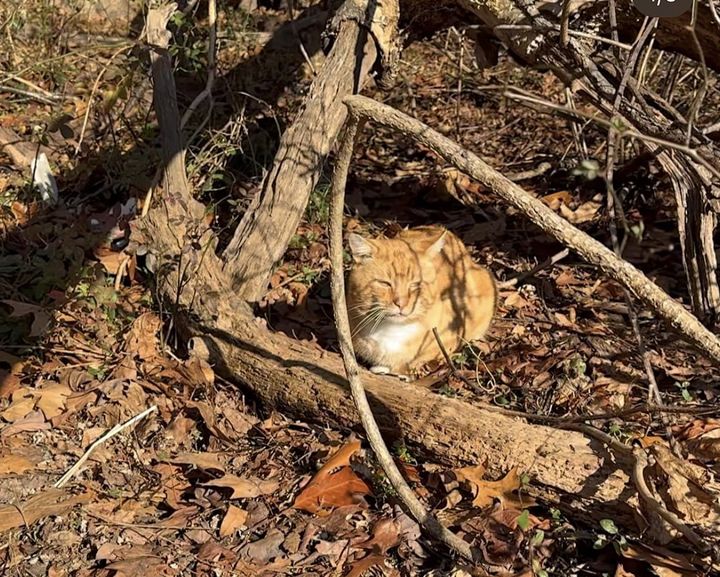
(380, 370)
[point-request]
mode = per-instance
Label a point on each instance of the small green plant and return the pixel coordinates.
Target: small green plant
(97, 372)
(502, 400)
(574, 367)
(447, 391)
(403, 453)
(685, 392)
(523, 520)
(588, 169)
(611, 534)
(318, 208)
(615, 430)
(538, 570)
(309, 275)
(461, 359)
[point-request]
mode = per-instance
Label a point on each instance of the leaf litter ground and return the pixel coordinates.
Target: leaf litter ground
(210, 483)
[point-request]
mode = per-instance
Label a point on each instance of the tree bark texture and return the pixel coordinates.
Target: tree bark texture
(165, 101)
(674, 34)
(265, 230)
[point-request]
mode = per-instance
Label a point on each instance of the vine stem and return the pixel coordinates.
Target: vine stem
(428, 521)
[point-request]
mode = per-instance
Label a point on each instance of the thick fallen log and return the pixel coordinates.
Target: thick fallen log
(306, 382)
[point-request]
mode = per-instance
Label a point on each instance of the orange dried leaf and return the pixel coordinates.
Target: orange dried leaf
(386, 535)
(341, 458)
(244, 488)
(360, 567)
(234, 519)
(45, 504)
(473, 475)
(23, 402)
(331, 490)
(14, 464)
(52, 399)
(110, 259)
(503, 490)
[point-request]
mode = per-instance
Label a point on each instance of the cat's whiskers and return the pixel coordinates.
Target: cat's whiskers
(375, 313)
(365, 322)
(381, 317)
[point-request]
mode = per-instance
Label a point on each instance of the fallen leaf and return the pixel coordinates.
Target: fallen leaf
(14, 464)
(503, 490)
(41, 319)
(583, 213)
(244, 488)
(555, 199)
(341, 458)
(386, 535)
(266, 549)
(664, 562)
(52, 399)
(15, 364)
(208, 416)
(140, 565)
(110, 259)
(205, 461)
(33, 421)
(331, 490)
(706, 446)
(9, 383)
(515, 301)
(23, 402)
(472, 475)
(45, 504)
(234, 519)
(90, 435)
(142, 339)
(331, 487)
(365, 564)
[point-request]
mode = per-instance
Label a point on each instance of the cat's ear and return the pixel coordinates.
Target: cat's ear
(437, 246)
(359, 247)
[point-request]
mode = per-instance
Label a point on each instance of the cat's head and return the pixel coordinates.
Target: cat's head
(394, 276)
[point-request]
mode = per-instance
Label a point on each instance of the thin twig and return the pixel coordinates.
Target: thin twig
(702, 91)
(714, 11)
(548, 262)
(119, 428)
(29, 94)
(625, 133)
(565, 23)
(451, 365)
(92, 95)
(428, 521)
(207, 91)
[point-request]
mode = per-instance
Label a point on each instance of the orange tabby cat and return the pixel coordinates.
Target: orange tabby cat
(400, 288)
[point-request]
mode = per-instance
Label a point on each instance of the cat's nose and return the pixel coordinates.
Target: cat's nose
(400, 302)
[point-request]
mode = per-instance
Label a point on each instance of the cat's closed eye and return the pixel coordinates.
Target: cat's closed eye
(383, 283)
